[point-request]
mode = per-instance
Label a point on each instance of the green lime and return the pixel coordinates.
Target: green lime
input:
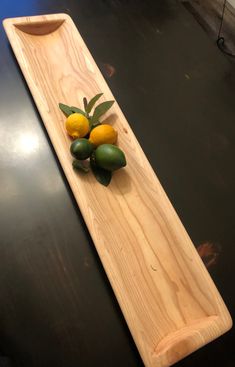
(109, 157)
(81, 148)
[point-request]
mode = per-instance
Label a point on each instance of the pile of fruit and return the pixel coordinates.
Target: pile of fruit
(94, 145)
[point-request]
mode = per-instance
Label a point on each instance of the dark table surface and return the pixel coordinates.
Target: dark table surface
(177, 91)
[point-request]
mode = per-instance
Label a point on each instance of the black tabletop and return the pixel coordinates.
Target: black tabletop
(177, 91)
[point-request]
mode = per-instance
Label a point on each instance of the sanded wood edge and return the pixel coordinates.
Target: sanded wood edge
(189, 339)
(40, 28)
(41, 24)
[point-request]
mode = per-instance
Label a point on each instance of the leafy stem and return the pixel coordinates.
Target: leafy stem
(99, 110)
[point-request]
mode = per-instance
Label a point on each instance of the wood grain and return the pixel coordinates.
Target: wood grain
(169, 301)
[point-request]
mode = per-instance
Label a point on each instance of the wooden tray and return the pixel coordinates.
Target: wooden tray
(169, 301)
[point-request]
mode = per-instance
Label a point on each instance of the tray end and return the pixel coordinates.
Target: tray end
(181, 343)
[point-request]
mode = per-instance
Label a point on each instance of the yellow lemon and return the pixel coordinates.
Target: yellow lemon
(103, 134)
(77, 125)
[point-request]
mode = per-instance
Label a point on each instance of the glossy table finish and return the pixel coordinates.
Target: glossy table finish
(177, 92)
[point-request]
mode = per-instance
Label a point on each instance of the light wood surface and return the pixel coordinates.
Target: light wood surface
(169, 301)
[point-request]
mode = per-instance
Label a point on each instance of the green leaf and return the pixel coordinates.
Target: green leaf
(85, 103)
(80, 165)
(102, 175)
(65, 109)
(92, 126)
(77, 110)
(93, 102)
(100, 110)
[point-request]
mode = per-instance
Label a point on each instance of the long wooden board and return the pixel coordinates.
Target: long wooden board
(169, 301)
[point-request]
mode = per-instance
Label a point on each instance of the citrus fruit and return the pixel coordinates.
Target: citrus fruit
(103, 134)
(81, 149)
(109, 157)
(77, 125)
